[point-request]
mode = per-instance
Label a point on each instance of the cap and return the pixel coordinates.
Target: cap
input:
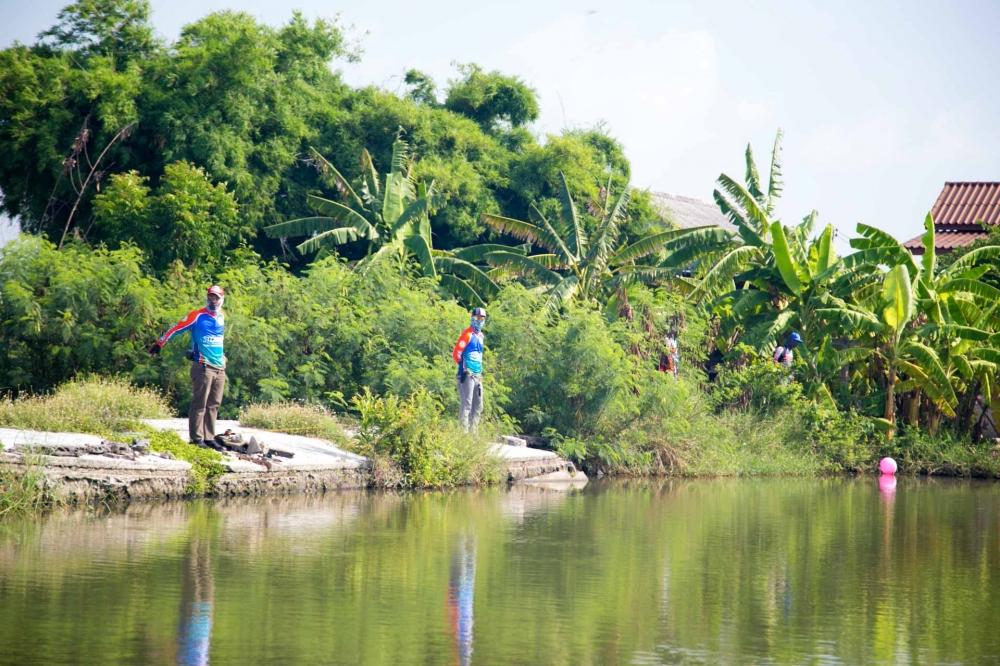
(217, 290)
(479, 312)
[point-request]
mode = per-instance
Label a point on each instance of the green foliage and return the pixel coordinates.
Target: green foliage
(98, 405)
(295, 419)
(186, 219)
(491, 98)
(563, 372)
(74, 311)
(428, 448)
(206, 464)
(119, 29)
(23, 487)
(754, 383)
(392, 217)
(944, 453)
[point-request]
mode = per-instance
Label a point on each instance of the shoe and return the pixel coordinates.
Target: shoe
(198, 442)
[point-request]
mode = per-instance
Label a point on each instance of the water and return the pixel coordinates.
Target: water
(772, 571)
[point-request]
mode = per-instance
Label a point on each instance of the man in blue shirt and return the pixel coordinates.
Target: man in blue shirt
(208, 367)
(468, 354)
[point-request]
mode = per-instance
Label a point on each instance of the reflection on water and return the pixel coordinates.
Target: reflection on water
(731, 571)
(461, 595)
(197, 597)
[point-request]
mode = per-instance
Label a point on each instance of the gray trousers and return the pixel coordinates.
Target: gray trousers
(208, 384)
(470, 401)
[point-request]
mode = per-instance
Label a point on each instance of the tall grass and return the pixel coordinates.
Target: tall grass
(295, 419)
(414, 444)
(98, 405)
(23, 491)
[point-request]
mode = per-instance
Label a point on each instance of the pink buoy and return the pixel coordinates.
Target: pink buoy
(887, 466)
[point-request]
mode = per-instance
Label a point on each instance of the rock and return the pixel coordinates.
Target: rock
(140, 446)
(510, 440)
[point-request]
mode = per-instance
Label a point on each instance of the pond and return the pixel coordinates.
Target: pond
(733, 571)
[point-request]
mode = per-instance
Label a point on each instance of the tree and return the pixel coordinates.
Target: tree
(422, 87)
(392, 216)
(118, 29)
(491, 99)
(186, 218)
(955, 320)
(580, 264)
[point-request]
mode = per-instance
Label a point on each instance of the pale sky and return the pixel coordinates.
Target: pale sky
(881, 102)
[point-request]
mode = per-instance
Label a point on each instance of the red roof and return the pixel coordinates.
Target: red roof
(962, 213)
(962, 204)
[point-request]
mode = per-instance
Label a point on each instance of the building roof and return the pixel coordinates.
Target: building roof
(962, 215)
(687, 212)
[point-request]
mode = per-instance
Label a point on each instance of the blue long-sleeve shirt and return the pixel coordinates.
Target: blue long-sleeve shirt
(208, 331)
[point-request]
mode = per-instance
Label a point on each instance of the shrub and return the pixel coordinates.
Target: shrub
(428, 448)
(755, 383)
(944, 453)
(72, 311)
(847, 441)
(99, 405)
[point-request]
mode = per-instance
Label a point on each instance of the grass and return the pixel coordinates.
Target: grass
(413, 444)
(206, 464)
(295, 419)
(24, 492)
(96, 405)
(108, 407)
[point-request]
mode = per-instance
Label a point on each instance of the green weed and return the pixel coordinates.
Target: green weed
(98, 405)
(295, 419)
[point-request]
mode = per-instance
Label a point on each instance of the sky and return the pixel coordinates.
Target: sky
(880, 102)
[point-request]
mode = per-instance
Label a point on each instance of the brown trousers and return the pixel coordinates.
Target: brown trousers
(208, 384)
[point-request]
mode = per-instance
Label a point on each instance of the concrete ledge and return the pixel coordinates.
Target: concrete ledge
(94, 483)
(542, 469)
(285, 482)
(74, 474)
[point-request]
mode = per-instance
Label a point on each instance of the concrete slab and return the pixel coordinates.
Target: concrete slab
(311, 453)
(67, 449)
(15, 438)
(520, 453)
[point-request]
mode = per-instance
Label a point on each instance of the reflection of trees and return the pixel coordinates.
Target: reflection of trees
(197, 598)
(461, 597)
(722, 571)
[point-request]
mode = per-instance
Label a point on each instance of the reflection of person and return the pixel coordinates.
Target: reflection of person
(468, 354)
(461, 594)
(197, 597)
(208, 367)
(783, 354)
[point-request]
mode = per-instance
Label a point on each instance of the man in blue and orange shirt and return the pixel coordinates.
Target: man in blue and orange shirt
(208, 367)
(468, 354)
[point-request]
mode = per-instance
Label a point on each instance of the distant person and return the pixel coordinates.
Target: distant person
(670, 358)
(673, 351)
(468, 354)
(208, 363)
(783, 355)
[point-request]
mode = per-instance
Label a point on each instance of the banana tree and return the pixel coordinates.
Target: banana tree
(576, 264)
(750, 208)
(957, 308)
(885, 323)
(393, 217)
